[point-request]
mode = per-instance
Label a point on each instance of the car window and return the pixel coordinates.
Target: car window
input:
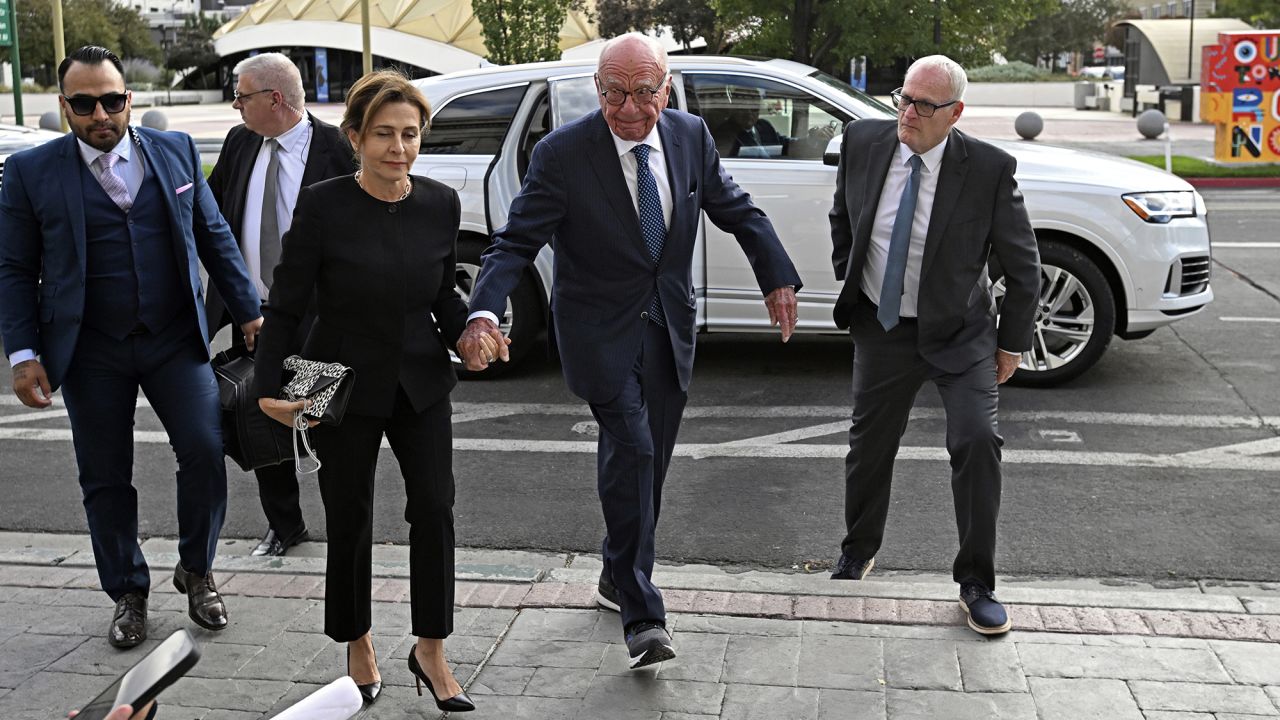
(757, 118)
(473, 124)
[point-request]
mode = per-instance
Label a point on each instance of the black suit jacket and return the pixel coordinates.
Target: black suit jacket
(379, 272)
(604, 276)
(329, 156)
(977, 210)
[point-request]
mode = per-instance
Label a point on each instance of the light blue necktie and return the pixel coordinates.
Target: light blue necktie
(895, 269)
(651, 222)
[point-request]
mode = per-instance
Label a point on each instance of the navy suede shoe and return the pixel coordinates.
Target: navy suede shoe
(986, 614)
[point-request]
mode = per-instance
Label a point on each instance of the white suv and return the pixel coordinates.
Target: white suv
(16, 138)
(1124, 247)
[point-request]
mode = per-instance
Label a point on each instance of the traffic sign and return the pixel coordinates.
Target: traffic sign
(6, 32)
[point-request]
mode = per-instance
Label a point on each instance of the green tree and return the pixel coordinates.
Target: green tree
(194, 44)
(1262, 14)
(518, 31)
(826, 33)
(688, 20)
(84, 22)
(1075, 26)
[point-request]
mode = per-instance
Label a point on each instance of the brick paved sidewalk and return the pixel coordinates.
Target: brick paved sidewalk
(530, 643)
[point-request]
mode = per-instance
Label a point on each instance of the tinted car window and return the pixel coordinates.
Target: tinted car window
(757, 118)
(473, 124)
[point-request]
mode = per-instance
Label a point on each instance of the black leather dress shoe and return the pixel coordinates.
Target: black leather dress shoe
(273, 545)
(129, 623)
(848, 568)
(204, 603)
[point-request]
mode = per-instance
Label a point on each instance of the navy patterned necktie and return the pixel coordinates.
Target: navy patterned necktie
(895, 269)
(652, 225)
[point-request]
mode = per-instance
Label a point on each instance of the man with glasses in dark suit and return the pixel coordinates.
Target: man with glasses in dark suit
(919, 207)
(623, 190)
(102, 234)
(278, 150)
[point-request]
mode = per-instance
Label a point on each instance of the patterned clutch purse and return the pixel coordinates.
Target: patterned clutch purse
(328, 388)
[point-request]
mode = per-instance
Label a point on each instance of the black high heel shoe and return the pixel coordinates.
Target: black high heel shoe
(457, 703)
(370, 691)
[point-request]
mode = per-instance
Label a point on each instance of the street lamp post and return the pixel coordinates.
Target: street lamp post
(367, 53)
(59, 51)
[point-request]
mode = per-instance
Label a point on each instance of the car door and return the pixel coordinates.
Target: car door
(771, 135)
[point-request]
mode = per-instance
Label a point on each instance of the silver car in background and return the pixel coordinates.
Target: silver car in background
(1124, 246)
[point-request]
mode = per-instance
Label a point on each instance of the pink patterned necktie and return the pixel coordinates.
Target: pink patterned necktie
(113, 183)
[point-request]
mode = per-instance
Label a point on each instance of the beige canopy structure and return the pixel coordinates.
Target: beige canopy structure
(437, 35)
(1157, 49)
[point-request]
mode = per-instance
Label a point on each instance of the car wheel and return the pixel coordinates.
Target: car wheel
(1074, 322)
(522, 320)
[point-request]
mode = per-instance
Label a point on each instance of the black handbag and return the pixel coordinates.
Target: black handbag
(326, 387)
(249, 437)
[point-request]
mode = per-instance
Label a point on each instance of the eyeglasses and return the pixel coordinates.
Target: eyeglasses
(112, 103)
(640, 96)
(237, 95)
(924, 108)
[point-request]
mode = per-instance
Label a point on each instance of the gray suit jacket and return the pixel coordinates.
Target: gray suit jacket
(977, 211)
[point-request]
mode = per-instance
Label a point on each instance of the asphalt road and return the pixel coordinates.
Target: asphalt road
(1162, 462)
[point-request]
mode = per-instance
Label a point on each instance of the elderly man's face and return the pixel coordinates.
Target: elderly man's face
(922, 134)
(628, 67)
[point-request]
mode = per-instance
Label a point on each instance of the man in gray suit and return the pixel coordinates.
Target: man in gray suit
(919, 207)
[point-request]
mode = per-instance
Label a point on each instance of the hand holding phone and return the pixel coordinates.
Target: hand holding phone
(140, 684)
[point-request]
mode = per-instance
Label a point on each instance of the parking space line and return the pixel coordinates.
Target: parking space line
(1248, 245)
(1234, 318)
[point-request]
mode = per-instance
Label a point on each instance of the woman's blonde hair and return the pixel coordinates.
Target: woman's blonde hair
(372, 92)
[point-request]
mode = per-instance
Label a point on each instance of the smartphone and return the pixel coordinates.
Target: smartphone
(141, 683)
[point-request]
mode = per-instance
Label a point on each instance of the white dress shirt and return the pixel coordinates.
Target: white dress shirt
(130, 167)
(878, 250)
(657, 166)
(295, 143)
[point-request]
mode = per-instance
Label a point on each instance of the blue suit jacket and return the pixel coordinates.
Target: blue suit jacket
(42, 242)
(575, 193)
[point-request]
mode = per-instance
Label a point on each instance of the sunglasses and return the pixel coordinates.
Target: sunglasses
(112, 103)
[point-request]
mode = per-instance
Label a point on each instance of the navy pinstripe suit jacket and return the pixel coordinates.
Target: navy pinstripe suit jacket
(575, 197)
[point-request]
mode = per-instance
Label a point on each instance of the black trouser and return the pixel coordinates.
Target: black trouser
(887, 373)
(423, 446)
(277, 484)
(637, 435)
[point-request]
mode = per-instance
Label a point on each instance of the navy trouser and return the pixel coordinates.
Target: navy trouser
(101, 393)
(637, 434)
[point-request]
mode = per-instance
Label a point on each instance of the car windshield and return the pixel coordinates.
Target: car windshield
(863, 100)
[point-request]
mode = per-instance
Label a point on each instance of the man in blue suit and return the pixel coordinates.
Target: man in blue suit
(101, 236)
(621, 192)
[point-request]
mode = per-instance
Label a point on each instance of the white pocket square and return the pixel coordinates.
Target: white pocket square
(184, 188)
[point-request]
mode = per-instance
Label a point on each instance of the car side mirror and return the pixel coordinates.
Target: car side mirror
(832, 155)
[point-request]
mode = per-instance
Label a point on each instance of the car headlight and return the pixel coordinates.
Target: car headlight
(1202, 210)
(1161, 207)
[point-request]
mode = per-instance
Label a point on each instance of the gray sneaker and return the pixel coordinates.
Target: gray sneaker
(648, 643)
(607, 594)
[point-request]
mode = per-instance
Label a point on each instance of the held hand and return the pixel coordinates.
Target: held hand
(251, 330)
(1006, 363)
(782, 310)
(482, 343)
(31, 384)
(282, 410)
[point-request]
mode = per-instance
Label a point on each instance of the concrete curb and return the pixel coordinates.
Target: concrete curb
(1236, 183)
(516, 579)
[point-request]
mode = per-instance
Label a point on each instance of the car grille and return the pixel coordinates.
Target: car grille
(1188, 276)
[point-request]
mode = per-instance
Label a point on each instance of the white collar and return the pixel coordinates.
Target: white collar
(124, 149)
(930, 159)
(652, 140)
(290, 140)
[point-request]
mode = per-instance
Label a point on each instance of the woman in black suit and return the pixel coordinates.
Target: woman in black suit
(376, 249)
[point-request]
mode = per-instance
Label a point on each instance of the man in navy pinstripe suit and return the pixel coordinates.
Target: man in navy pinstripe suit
(621, 191)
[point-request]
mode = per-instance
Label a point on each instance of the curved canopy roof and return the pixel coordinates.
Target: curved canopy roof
(440, 35)
(1168, 38)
